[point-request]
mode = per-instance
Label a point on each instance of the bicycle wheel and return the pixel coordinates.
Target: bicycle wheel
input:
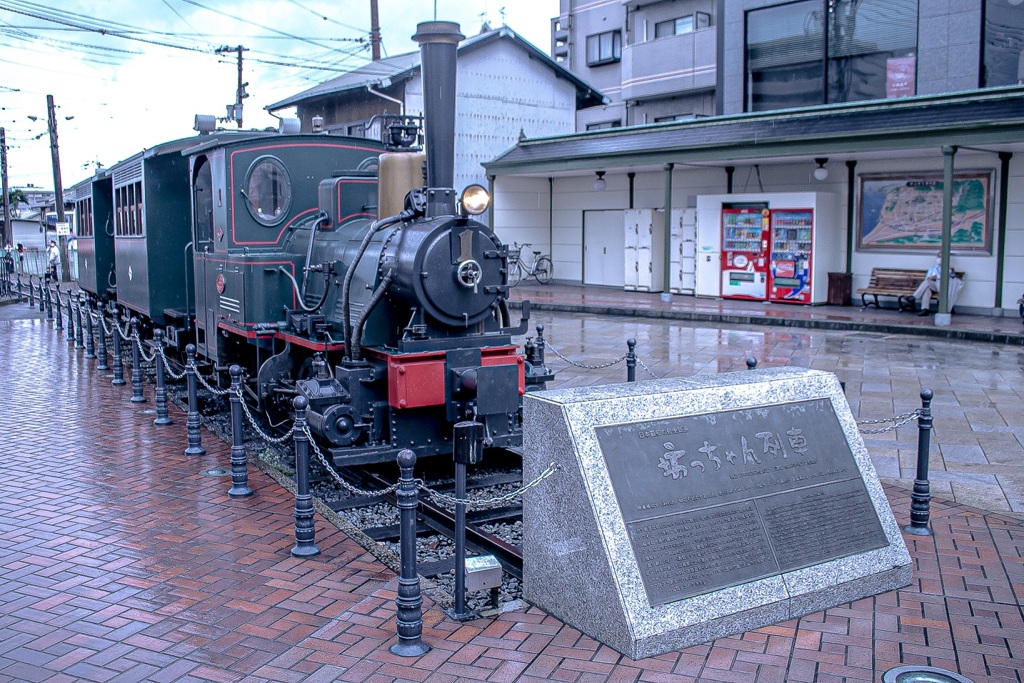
(543, 270)
(515, 273)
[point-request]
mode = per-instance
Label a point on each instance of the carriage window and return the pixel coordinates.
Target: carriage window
(128, 220)
(202, 201)
(268, 191)
(84, 211)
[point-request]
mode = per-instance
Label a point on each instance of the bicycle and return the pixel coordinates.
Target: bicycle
(541, 269)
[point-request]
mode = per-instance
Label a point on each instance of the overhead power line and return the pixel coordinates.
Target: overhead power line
(117, 33)
(325, 18)
(265, 28)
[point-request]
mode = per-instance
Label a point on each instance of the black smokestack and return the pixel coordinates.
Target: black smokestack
(438, 42)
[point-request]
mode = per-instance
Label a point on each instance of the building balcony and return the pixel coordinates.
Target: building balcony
(673, 64)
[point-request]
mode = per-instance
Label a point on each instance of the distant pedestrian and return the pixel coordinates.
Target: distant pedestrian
(21, 257)
(930, 286)
(7, 268)
(53, 259)
(1020, 307)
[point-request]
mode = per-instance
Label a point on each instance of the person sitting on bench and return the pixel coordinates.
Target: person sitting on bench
(931, 285)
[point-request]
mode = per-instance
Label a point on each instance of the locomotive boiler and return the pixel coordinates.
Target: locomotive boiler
(394, 324)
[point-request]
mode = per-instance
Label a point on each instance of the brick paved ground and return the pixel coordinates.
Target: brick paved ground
(120, 561)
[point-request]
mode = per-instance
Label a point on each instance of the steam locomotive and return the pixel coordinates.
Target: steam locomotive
(322, 266)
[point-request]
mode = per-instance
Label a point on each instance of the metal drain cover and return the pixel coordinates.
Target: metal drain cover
(922, 674)
(216, 472)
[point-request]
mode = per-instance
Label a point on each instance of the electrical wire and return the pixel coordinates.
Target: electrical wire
(325, 18)
(183, 19)
(95, 29)
(265, 28)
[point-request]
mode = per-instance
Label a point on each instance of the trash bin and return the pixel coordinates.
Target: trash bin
(840, 287)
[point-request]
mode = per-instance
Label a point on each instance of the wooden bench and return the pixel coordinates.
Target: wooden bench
(898, 282)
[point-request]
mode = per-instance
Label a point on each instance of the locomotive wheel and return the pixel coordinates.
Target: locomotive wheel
(543, 270)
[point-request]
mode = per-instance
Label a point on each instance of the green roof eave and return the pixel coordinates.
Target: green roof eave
(991, 117)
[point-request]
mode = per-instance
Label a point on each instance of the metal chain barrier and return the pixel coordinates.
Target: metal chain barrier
(276, 440)
(213, 390)
(103, 323)
(644, 366)
(125, 336)
(142, 351)
(488, 502)
(337, 477)
(581, 365)
(167, 366)
(896, 420)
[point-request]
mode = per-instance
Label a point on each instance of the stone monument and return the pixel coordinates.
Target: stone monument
(684, 510)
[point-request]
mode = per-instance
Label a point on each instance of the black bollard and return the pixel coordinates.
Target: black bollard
(192, 422)
(79, 330)
(305, 529)
(102, 338)
(58, 323)
(537, 374)
(118, 363)
(540, 344)
(631, 360)
(751, 362)
(921, 495)
(409, 599)
(467, 449)
(90, 348)
(42, 306)
(239, 464)
(21, 289)
(31, 293)
(134, 340)
(49, 303)
(71, 318)
(161, 386)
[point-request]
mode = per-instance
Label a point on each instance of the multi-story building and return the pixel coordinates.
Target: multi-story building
(666, 60)
(728, 105)
(655, 61)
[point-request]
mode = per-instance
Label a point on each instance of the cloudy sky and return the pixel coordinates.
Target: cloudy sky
(128, 74)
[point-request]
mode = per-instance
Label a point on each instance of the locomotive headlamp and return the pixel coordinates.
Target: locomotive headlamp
(475, 200)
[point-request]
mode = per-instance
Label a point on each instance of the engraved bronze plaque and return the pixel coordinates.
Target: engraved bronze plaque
(719, 499)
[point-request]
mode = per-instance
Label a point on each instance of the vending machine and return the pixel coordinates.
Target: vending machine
(790, 266)
(745, 253)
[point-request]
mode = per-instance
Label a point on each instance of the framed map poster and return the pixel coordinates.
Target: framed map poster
(904, 212)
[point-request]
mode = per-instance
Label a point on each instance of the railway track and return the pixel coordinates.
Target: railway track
(493, 531)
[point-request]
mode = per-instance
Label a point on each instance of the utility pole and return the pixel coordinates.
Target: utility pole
(8, 236)
(58, 188)
(374, 32)
(240, 94)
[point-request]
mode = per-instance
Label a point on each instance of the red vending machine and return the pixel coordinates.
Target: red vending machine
(792, 232)
(745, 253)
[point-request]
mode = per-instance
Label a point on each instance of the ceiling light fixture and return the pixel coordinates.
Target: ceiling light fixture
(821, 173)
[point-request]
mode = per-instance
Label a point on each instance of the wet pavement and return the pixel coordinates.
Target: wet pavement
(978, 406)
(121, 561)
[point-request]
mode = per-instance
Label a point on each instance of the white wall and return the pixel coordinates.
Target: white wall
(521, 212)
(574, 194)
(1013, 264)
(500, 91)
(979, 282)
